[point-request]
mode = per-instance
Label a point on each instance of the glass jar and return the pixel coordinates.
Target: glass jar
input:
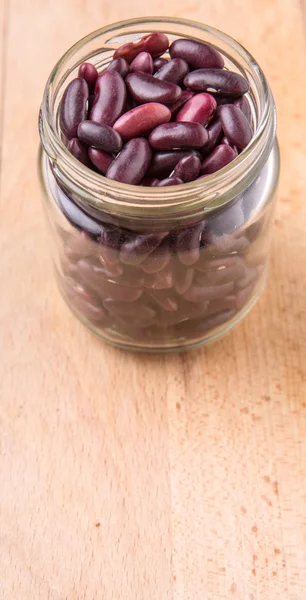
(168, 268)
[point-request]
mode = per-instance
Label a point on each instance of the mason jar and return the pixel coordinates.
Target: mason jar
(160, 268)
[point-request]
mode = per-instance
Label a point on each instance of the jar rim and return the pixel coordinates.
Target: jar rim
(208, 193)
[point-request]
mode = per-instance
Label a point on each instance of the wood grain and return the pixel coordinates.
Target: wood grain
(136, 477)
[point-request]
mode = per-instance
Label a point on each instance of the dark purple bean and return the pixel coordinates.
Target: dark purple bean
(163, 163)
(154, 43)
(149, 181)
(88, 72)
(214, 131)
(199, 109)
(102, 160)
(158, 63)
(178, 135)
(188, 243)
(110, 242)
(174, 71)
(218, 81)
(146, 88)
(120, 65)
(222, 155)
(174, 107)
(73, 107)
(141, 120)
(244, 106)
(131, 165)
(169, 181)
(102, 137)
(143, 63)
(226, 141)
(75, 215)
(235, 125)
(110, 98)
(134, 252)
(79, 151)
(187, 169)
(196, 54)
(224, 100)
(201, 293)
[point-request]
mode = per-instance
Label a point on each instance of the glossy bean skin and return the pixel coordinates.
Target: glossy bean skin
(73, 107)
(120, 65)
(132, 163)
(142, 120)
(244, 106)
(221, 156)
(235, 125)
(178, 135)
(79, 151)
(154, 43)
(146, 88)
(101, 159)
(188, 243)
(158, 63)
(214, 132)
(217, 81)
(175, 107)
(197, 54)
(199, 109)
(143, 63)
(163, 163)
(110, 98)
(188, 168)
(88, 72)
(102, 137)
(169, 181)
(174, 70)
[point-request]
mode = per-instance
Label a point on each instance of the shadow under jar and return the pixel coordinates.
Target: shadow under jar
(160, 268)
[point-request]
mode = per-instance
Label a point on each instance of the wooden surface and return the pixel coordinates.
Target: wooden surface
(127, 477)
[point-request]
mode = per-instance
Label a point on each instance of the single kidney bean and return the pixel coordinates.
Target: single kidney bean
(88, 72)
(110, 98)
(154, 43)
(173, 70)
(174, 107)
(158, 63)
(218, 81)
(143, 63)
(187, 169)
(102, 160)
(188, 243)
(178, 135)
(163, 163)
(131, 165)
(73, 107)
(224, 99)
(134, 251)
(235, 125)
(196, 54)
(199, 109)
(146, 88)
(120, 65)
(217, 159)
(169, 181)
(214, 131)
(79, 151)
(244, 106)
(102, 137)
(142, 120)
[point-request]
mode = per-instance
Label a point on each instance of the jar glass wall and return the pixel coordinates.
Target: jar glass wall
(160, 268)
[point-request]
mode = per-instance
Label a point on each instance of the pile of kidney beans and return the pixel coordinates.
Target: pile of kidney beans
(154, 121)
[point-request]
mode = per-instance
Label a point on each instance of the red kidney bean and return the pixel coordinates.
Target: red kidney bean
(79, 151)
(146, 88)
(183, 279)
(102, 160)
(199, 109)
(217, 159)
(142, 120)
(187, 169)
(120, 65)
(174, 107)
(196, 54)
(157, 260)
(163, 279)
(201, 293)
(102, 137)
(127, 309)
(158, 63)
(169, 181)
(235, 125)
(178, 135)
(132, 163)
(214, 131)
(149, 181)
(218, 81)
(222, 270)
(134, 251)
(188, 243)
(173, 70)
(163, 163)
(88, 72)
(225, 141)
(73, 107)
(165, 301)
(143, 63)
(154, 43)
(110, 98)
(224, 99)
(244, 106)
